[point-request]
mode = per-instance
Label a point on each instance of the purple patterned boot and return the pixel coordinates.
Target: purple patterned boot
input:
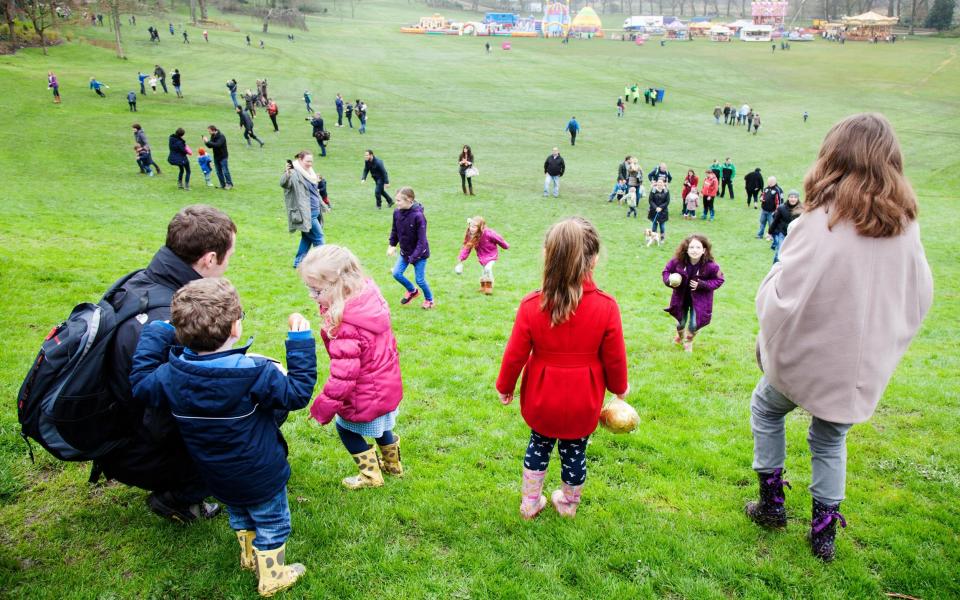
(769, 511)
(823, 530)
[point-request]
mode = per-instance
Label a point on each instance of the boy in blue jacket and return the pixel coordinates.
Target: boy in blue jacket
(206, 165)
(224, 403)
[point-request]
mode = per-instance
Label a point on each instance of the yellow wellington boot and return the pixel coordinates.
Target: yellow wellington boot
(275, 574)
(247, 560)
(391, 457)
(370, 475)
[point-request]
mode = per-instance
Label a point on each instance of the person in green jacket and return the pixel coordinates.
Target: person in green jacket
(635, 90)
(715, 167)
(728, 172)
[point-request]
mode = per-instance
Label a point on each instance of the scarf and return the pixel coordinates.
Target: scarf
(310, 175)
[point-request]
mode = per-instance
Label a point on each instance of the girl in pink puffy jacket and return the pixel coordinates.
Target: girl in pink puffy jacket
(485, 241)
(364, 388)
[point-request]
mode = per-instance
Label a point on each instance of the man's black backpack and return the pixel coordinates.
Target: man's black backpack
(65, 402)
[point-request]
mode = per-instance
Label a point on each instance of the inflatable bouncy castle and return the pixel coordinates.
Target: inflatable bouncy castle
(556, 19)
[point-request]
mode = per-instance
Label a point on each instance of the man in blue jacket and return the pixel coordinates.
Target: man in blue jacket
(373, 166)
(224, 404)
(574, 128)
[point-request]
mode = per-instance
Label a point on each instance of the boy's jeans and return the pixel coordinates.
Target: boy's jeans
(555, 180)
(270, 519)
(206, 176)
(765, 218)
(419, 270)
(828, 443)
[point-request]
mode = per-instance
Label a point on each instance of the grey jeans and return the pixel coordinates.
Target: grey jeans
(828, 443)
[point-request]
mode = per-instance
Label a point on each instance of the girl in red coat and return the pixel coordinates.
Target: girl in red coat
(568, 340)
(364, 389)
(708, 193)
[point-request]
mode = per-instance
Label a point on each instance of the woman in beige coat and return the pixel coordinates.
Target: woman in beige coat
(304, 195)
(836, 314)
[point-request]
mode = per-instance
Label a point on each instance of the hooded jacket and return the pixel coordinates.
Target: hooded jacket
(364, 380)
(486, 247)
(567, 367)
(709, 278)
(178, 151)
(224, 406)
(409, 231)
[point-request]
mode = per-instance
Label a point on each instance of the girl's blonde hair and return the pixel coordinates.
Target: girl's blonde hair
(474, 239)
(858, 177)
(337, 271)
(569, 252)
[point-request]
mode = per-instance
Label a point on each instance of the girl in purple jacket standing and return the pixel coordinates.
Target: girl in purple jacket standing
(693, 275)
(410, 233)
(485, 241)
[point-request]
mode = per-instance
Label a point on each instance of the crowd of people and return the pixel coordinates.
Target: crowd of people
(568, 326)
(168, 365)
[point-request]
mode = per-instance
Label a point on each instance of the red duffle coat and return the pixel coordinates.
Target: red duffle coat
(568, 367)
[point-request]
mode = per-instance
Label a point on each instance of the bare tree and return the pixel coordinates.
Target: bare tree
(9, 12)
(203, 9)
(113, 7)
(40, 16)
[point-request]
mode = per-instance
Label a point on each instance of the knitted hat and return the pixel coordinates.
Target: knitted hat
(793, 193)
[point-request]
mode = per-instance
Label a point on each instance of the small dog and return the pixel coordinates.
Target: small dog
(650, 236)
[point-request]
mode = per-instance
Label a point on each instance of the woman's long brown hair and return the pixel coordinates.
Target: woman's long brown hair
(569, 252)
(858, 177)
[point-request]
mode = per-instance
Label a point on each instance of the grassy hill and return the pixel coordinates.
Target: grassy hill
(662, 512)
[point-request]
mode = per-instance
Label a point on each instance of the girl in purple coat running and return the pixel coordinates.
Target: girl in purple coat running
(693, 275)
(485, 241)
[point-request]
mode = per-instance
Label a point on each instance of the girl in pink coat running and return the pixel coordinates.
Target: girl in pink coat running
(485, 241)
(364, 389)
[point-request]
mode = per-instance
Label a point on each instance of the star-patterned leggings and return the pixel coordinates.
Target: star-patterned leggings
(573, 457)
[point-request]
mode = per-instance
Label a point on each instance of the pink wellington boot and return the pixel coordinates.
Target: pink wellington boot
(566, 499)
(532, 501)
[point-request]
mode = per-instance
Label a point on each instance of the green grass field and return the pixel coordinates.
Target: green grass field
(662, 512)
